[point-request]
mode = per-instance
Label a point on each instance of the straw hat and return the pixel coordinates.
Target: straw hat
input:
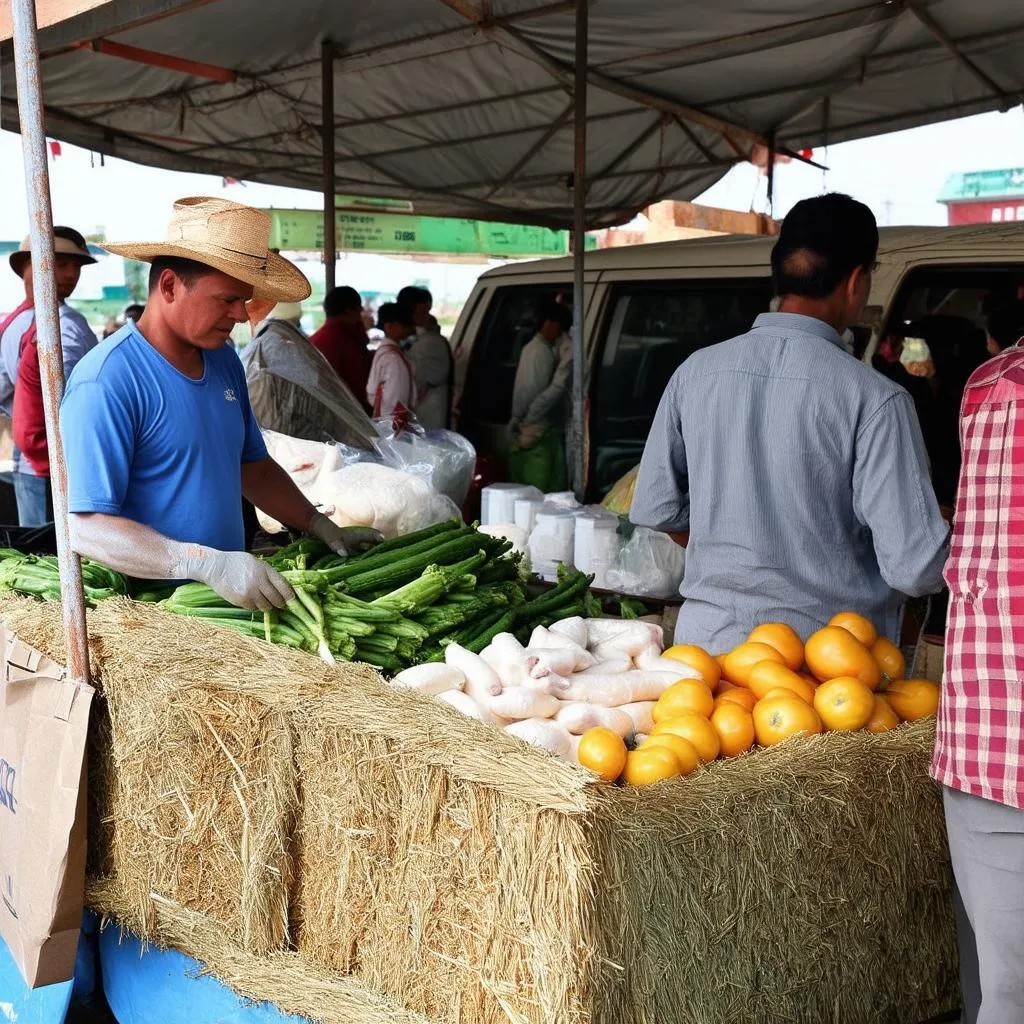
(286, 311)
(229, 237)
(61, 247)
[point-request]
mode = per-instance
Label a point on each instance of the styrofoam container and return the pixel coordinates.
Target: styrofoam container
(526, 510)
(552, 541)
(497, 501)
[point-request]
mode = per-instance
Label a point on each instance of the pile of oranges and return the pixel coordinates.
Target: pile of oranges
(770, 688)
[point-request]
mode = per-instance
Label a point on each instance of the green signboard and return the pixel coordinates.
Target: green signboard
(402, 233)
(975, 185)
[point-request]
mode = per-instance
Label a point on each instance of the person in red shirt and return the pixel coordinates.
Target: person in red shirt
(343, 340)
(979, 741)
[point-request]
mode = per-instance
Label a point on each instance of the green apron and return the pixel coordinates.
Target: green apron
(542, 465)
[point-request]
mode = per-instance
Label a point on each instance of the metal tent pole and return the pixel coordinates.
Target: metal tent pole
(327, 133)
(51, 359)
(579, 223)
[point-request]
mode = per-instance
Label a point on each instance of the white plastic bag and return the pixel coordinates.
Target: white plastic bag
(650, 564)
(444, 458)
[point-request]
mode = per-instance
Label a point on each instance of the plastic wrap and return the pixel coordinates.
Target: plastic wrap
(354, 492)
(295, 391)
(444, 458)
(650, 564)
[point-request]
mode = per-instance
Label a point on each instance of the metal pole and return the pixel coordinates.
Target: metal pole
(579, 224)
(51, 359)
(327, 133)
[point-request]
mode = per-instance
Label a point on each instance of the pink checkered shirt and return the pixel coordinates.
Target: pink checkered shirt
(979, 745)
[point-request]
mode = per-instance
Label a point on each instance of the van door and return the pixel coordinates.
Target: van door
(651, 327)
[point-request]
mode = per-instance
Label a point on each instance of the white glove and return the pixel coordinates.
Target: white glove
(238, 577)
(343, 540)
(140, 551)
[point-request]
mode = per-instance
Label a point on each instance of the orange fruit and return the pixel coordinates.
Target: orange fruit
(735, 728)
(650, 765)
(889, 657)
(767, 675)
(685, 751)
(863, 629)
(844, 704)
(834, 651)
(784, 639)
(723, 686)
(912, 699)
(698, 659)
(695, 728)
(739, 661)
(602, 751)
(738, 695)
(686, 695)
(883, 718)
(778, 717)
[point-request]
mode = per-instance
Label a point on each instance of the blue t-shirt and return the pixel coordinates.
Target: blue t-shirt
(146, 442)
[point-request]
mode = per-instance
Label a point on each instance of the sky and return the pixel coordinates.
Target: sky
(897, 175)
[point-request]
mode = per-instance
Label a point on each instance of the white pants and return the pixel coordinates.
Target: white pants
(986, 844)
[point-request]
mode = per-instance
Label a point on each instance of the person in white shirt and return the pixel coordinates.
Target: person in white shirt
(391, 381)
(431, 357)
(71, 254)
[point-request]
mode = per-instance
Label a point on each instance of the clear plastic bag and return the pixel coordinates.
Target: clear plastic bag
(444, 458)
(650, 564)
(295, 391)
(357, 491)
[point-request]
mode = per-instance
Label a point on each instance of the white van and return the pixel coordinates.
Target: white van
(649, 306)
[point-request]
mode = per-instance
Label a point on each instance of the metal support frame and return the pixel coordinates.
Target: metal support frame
(51, 359)
(579, 248)
(327, 55)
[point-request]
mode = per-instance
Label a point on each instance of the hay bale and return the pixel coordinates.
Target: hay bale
(191, 774)
(283, 978)
(809, 882)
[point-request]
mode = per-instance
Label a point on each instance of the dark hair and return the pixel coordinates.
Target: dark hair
(342, 300)
(71, 235)
(187, 271)
(1005, 324)
(134, 311)
(394, 313)
(822, 241)
(559, 312)
(412, 295)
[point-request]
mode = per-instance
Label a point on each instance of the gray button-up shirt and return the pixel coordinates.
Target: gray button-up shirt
(801, 477)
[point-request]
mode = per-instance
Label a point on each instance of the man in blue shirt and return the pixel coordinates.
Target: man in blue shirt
(795, 474)
(160, 441)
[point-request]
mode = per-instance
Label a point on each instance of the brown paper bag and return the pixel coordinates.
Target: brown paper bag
(43, 723)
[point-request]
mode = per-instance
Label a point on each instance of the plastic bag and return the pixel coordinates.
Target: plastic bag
(294, 390)
(356, 493)
(650, 564)
(446, 459)
(620, 498)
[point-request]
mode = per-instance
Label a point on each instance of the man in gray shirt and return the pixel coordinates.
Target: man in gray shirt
(798, 473)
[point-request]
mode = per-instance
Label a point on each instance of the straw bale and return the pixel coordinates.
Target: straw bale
(454, 898)
(195, 799)
(809, 882)
(284, 978)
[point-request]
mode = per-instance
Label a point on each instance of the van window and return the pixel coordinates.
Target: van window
(511, 321)
(652, 328)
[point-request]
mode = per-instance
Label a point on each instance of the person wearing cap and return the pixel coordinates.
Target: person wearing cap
(17, 341)
(390, 385)
(343, 341)
(795, 474)
(430, 355)
(160, 440)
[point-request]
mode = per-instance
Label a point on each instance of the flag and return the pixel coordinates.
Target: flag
(224, 182)
(54, 148)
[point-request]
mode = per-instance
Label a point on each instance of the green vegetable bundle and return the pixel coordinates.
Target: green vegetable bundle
(39, 576)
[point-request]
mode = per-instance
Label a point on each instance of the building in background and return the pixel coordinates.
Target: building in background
(984, 197)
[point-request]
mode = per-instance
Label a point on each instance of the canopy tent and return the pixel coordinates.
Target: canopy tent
(466, 106)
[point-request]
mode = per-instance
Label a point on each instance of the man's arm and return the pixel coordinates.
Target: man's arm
(269, 487)
(661, 498)
(541, 408)
(893, 497)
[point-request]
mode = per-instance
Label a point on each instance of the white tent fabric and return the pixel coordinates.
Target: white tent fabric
(465, 106)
